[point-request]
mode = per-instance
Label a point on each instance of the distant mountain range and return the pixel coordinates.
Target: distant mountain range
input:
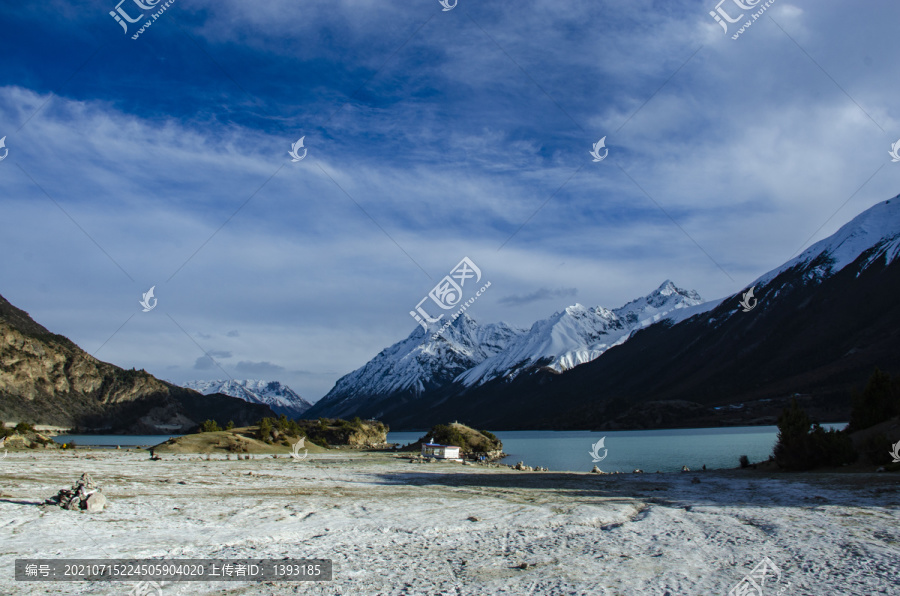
(46, 379)
(820, 324)
(471, 355)
(280, 398)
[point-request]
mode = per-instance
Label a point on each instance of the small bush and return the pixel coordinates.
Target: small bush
(210, 426)
(877, 449)
(490, 435)
(745, 461)
(230, 425)
(264, 432)
(803, 446)
(879, 401)
(24, 427)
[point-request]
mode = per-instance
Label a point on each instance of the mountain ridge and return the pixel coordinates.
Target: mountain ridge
(46, 378)
(280, 398)
(472, 354)
(822, 322)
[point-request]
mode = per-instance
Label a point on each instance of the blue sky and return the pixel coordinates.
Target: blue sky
(432, 135)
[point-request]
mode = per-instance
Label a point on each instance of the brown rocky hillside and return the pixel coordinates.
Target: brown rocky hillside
(46, 379)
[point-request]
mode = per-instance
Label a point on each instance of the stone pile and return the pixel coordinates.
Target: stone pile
(84, 495)
(522, 467)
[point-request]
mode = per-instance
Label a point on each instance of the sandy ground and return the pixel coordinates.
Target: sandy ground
(392, 527)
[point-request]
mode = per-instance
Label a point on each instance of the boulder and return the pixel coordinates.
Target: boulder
(597, 470)
(95, 502)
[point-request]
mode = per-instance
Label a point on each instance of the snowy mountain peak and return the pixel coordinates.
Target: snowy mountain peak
(422, 362)
(280, 398)
(578, 334)
(876, 229)
(471, 353)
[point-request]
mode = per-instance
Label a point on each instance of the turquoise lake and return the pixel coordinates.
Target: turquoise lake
(648, 450)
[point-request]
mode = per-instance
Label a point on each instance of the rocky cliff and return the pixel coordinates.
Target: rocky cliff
(47, 379)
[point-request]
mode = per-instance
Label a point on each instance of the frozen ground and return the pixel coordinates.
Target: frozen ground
(392, 527)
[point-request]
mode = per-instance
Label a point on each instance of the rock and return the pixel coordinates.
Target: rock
(638, 471)
(881, 469)
(80, 496)
(95, 502)
(472, 518)
(695, 480)
(522, 566)
(596, 470)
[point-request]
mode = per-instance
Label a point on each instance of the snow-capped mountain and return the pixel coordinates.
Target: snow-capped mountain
(280, 398)
(821, 323)
(472, 354)
(419, 363)
(874, 232)
(578, 334)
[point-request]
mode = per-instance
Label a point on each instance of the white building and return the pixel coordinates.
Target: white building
(437, 451)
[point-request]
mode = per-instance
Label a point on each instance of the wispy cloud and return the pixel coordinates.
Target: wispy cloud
(174, 158)
(538, 295)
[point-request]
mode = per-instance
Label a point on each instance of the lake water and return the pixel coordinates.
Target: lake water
(648, 450)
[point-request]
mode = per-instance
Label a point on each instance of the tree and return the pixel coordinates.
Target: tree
(879, 401)
(265, 429)
(803, 446)
(209, 426)
(230, 425)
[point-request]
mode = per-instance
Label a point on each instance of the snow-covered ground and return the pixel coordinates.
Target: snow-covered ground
(393, 527)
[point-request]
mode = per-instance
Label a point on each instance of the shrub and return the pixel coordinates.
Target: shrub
(209, 426)
(490, 435)
(803, 446)
(23, 427)
(879, 401)
(230, 425)
(264, 432)
(877, 449)
(745, 461)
